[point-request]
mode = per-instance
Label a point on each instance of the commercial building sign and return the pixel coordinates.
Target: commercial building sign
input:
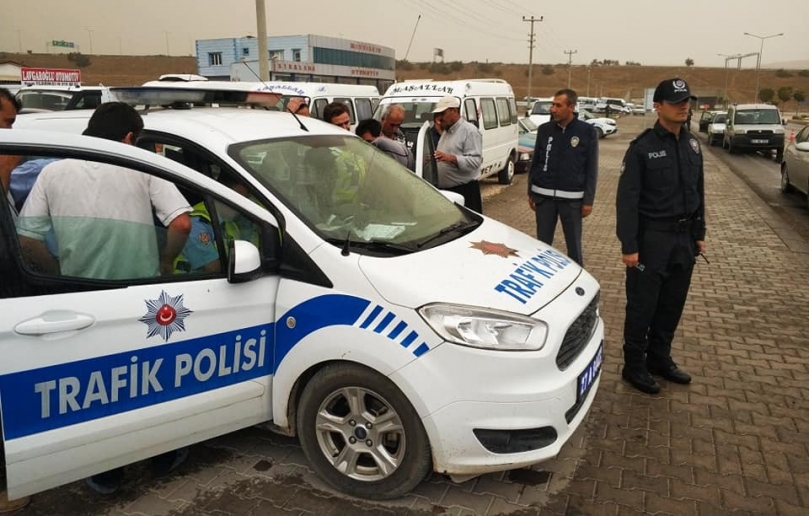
(365, 47)
(364, 72)
(50, 76)
(292, 66)
(63, 44)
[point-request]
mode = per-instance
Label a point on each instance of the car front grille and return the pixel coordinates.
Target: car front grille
(578, 335)
(759, 133)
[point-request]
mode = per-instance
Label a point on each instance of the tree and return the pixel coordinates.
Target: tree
(404, 64)
(547, 70)
(782, 73)
(799, 97)
(766, 94)
(456, 66)
(80, 59)
(785, 93)
(689, 62)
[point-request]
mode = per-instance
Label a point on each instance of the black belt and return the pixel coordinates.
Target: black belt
(669, 225)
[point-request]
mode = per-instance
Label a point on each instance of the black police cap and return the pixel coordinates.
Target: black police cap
(673, 90)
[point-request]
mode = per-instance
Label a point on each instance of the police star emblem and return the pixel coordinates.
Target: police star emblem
(694, 145)
(492, 248)
(574, 142)
(165, 315)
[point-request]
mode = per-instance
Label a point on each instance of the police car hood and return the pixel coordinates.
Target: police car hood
(494, 266)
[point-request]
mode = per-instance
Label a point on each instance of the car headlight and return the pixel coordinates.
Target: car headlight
(485, 328)
(778, 130)
(525, 156)
(609, 122)
(740, 131)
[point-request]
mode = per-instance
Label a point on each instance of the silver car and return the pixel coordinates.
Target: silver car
(795, 166)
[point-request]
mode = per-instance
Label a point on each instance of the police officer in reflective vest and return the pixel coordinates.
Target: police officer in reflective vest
(564, 173)
(661, 226)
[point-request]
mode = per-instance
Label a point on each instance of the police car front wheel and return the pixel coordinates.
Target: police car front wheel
(361, 434)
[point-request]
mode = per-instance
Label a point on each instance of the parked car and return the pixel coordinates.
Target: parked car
(604, 126)
(373, 328)
(705, 119)
(754, 127)
(526, 144)
(795, 166)
(58, 98)
(541, 111)
(716, 129)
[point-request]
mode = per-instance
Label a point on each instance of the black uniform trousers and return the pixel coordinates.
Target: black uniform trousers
(548, 210)
(471, 195)
(656, 291)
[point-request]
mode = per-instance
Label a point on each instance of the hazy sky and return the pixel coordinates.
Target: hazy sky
(647, 31)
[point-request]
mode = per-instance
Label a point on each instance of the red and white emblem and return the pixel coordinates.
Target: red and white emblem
(165, 315)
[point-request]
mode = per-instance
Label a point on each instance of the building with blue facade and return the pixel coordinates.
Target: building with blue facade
(306, 58)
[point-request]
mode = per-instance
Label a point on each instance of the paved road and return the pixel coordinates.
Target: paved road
(736, 441)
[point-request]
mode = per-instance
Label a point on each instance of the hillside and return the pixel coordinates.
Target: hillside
(613, 81)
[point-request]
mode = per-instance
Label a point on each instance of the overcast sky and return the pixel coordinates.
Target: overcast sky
(647, 31)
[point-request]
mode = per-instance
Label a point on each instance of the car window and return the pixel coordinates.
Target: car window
(542, 107)
(489, 113)
(90, 220)
(528, 124)
(416, 113)
(317, 107)
(503, 111)
(512, 106)
(50, 100)
(757, 116)
(471, 108)
(343, 188)
(719, 118)
(803, 135)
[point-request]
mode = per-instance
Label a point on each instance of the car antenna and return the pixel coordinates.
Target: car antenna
(297, 119)
(346, 244)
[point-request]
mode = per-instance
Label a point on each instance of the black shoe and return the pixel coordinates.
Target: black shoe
(106, 483)
(166, 463)
(671, 373)
(641, 380)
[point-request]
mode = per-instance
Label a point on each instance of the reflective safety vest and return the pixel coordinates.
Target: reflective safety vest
(232, 229)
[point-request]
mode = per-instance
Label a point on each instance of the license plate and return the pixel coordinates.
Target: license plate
(588, 377)
(760, 141)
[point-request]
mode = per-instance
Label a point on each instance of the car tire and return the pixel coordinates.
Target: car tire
(786, 186)
(600, 133)
(344, 393)
(506, 176)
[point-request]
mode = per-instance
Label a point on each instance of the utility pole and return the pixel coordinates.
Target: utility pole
(263, 52)
(760, 51)
(531, 41)
(728, 58)
(589, 67)
(19, 40)
(168, 52)
(569, 63)
(90, 34)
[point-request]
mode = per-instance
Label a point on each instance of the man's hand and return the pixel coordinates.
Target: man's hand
(443, 156)
(701, 246)
(630, 260)
(532, 204)
(586, 210)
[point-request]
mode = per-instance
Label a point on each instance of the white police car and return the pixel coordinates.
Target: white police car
(394, 332)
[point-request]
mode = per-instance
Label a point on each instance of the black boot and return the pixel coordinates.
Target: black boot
(639, 378)
(670, 372)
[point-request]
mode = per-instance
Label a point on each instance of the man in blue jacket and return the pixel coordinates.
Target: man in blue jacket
(564, 172)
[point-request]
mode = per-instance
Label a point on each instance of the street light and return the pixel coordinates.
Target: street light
(760, 51)
(727, 57)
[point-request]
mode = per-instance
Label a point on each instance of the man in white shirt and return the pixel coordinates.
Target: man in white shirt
(101, 214)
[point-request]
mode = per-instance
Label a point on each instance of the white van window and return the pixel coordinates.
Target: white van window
(350, 106)
(503, 111)
(345, 190)
(416, 113)
(364, 109)
(317, 107)
(162, 230)
(512, 106)
(489, 113)
(471, 111)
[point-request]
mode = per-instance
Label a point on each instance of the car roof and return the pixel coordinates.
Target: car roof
(755, 106)
(59, 87)
(213, 127)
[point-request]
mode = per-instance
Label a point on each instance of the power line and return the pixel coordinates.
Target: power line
(441, 15)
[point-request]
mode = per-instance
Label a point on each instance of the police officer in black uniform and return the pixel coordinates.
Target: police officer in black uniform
(564, 173)
(661, 226)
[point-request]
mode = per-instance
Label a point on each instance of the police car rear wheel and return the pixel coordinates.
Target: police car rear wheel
(361, 434)
(506, 176)
(600, 132)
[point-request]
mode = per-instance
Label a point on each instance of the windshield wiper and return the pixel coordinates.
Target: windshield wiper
(462, 227)
(373, 245)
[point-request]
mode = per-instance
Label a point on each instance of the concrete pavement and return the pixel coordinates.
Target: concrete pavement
(735, 441)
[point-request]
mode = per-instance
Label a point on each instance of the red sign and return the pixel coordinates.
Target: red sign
(50, 76)
(365, 47)
(364, 72)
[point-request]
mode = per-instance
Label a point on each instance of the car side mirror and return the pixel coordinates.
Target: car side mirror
(244, 262)
(803, 146)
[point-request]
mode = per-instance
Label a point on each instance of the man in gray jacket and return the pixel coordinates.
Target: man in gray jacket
(459, 154)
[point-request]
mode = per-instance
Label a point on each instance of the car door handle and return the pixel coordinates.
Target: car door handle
(54, 322)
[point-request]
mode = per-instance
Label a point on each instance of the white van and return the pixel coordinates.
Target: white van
(754, 127)
(487, 103)
(361, 100)
(394, 332)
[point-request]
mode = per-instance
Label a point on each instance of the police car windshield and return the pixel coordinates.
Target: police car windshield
(344, 188)
(719, 119)
(44, 99)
